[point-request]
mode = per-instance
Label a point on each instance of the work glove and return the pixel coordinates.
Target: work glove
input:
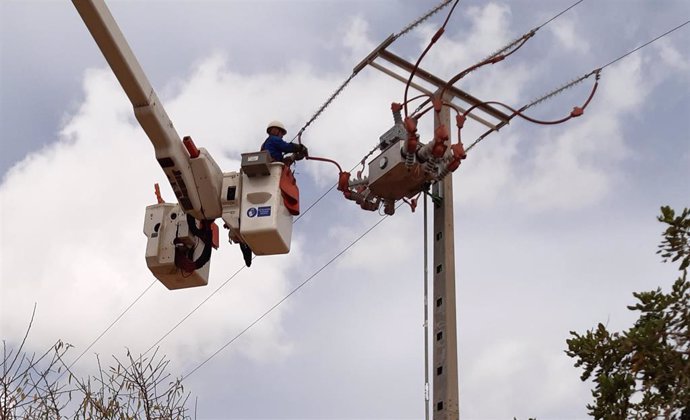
(301, 152)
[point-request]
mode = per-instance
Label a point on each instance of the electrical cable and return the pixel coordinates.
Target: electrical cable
(193, 310)
(558, 15)
(109, 327)
(596, 72)
(644, 45)
(433, 40)
(334, 186)
(503, 53)
(102, 333)
(357, 69)
(256, 321)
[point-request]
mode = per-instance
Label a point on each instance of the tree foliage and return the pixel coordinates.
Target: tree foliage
(644, 372)
(43, 386)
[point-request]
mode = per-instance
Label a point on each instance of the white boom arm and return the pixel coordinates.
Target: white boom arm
(250, 202)
(200, 199)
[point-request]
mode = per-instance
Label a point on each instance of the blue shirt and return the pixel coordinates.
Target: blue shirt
(277, 147)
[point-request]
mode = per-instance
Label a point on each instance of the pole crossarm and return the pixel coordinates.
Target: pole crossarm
(438, 83)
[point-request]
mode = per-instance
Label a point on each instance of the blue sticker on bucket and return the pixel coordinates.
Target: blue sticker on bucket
(264, 211)
(251, 212)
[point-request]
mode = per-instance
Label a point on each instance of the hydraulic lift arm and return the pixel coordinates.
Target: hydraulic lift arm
(170, 151)
(180, 236)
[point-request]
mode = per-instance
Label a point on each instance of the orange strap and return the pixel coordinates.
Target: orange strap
(289, 190)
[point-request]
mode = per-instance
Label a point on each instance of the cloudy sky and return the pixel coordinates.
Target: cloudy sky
(555, 226)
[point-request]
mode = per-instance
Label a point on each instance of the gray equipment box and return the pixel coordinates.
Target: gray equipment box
(389, 178)
(256, 164)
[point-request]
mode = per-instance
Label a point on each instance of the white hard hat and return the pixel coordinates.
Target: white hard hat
(277, 124)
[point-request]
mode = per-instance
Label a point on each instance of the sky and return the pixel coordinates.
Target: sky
(554, 225)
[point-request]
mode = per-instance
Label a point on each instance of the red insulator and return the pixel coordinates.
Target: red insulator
(458, 155)
(460, 120)
(437, 35)
(458, 150)
(411, 125)
(344, 182)
(441, 136)
(412, 143)
(396, 107)
(497, 58)
(453, 165)
(577, 111)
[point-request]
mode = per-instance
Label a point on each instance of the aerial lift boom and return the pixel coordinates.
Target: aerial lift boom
(170, 151)
(180, 236)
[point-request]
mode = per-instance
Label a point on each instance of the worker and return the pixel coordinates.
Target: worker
(277, 147)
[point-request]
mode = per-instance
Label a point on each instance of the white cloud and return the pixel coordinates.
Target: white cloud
(72, 214)
(565, 31)
(356, 39)
(579, 166)
(672, 57)
(489, 31)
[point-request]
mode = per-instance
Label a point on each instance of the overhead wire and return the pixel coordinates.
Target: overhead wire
(110, 326)
(94, 341)
(558, 15)
(493, 58)
(358, 68)
(196, 308)
(262, 316)
(644, 45)
(595, 72)
(500, 54)
(433, 40)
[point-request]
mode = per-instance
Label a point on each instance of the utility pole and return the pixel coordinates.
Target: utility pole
(446, 395)
(444, 391)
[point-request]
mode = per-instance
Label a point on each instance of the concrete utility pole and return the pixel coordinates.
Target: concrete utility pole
(445, 361)
(445, 394)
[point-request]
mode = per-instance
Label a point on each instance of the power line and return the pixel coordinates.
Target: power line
(359, 67)
(336, 184)
(110, 326)
(517, 43)
(558, 15)
(194, 310)
(100, 336)
(568, 85)
(644, 45)
(256, 321)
